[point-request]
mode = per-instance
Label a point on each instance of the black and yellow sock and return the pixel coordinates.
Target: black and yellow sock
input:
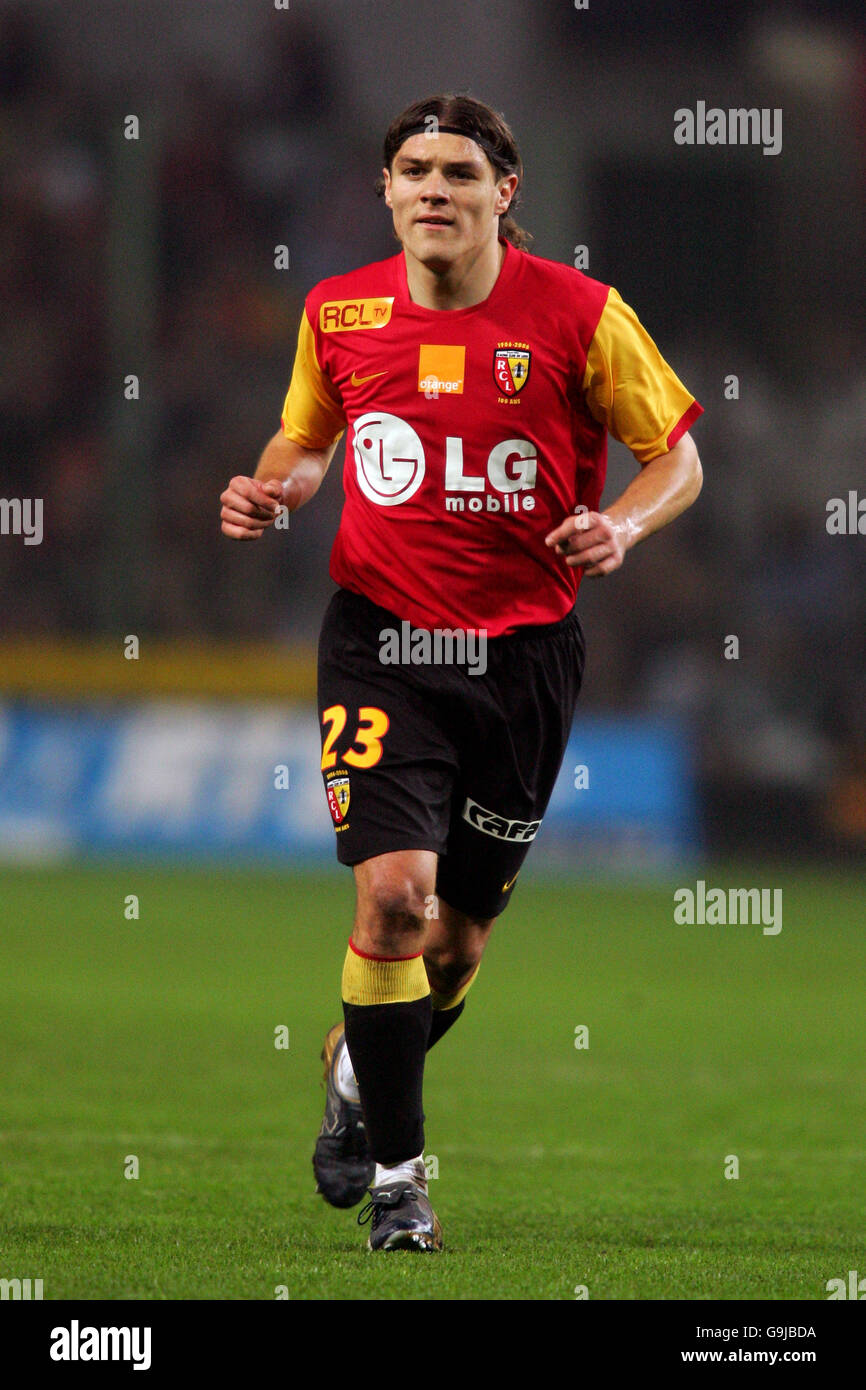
(387, 1008)
(447, 1008)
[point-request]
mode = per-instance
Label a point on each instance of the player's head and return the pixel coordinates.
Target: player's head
(452, 174)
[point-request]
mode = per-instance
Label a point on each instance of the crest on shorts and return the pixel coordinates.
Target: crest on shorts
(338, 796)
(511, 369)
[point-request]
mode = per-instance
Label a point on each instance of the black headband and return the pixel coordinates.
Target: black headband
(453, 130)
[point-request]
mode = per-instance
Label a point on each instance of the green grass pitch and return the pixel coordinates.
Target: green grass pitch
(559, 1167)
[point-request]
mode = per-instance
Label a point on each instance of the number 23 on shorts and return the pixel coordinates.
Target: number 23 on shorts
(372, 727)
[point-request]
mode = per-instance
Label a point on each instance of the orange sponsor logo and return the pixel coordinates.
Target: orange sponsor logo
(441, 369)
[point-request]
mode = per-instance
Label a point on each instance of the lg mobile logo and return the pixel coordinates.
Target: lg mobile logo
(390, 464)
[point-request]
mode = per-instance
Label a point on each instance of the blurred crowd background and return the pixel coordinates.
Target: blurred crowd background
(262, 127)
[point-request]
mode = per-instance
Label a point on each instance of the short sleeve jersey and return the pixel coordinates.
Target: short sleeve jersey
(472, 433)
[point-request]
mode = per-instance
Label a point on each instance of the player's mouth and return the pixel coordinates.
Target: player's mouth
(433, 221)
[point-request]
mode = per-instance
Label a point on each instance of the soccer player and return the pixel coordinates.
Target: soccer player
(477, 385)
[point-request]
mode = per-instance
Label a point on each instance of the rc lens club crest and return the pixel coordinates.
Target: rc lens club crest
(338, 797)
(511, 369)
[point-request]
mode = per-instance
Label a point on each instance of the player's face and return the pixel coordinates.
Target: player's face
(446, 198)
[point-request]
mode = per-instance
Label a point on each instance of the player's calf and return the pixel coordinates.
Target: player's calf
(448, 1004)
(452, 957)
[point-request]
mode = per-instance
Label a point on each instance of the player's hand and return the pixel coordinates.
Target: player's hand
(592, 540)
(249, 507)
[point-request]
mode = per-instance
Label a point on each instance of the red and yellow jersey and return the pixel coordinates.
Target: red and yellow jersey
(473, 432)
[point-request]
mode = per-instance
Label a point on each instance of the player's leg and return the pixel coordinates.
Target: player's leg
(388, 767)
(383, 1049)
(395, 912)
(453, 949)
(515, 731)
(386, 999)
(378, 1062)
(387, 1010)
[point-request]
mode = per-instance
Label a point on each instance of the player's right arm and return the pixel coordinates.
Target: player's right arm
(289, 474)
(295, 461)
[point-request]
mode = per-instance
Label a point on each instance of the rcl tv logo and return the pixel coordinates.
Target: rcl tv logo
(390, 465)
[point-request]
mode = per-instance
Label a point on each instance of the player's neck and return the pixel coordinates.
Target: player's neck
(463, 284)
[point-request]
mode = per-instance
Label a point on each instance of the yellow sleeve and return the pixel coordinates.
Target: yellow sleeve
(313, 414)
(629, 386)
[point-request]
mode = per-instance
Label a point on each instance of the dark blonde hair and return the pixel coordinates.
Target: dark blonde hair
(476, 121)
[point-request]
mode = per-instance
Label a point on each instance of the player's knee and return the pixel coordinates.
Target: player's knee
(449, 967)
(391, 914)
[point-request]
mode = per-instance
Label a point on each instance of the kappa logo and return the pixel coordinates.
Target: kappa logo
(511, 363)
(338, 796)
(349, 315)
(499, 826)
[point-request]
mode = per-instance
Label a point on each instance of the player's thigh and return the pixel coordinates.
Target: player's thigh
(387, 763)
(509, 762)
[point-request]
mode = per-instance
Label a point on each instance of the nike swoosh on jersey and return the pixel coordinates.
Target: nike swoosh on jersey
(510, 884)
(359, 380)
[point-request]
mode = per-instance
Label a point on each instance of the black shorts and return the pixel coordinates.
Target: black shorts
(440, 756)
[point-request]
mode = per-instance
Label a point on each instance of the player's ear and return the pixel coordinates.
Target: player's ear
(505, 189)
(386, 175)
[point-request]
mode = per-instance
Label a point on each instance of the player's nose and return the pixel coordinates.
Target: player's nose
(434, 188)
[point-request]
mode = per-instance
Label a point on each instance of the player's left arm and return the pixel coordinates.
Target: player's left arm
(664, 488)
(631, 390)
